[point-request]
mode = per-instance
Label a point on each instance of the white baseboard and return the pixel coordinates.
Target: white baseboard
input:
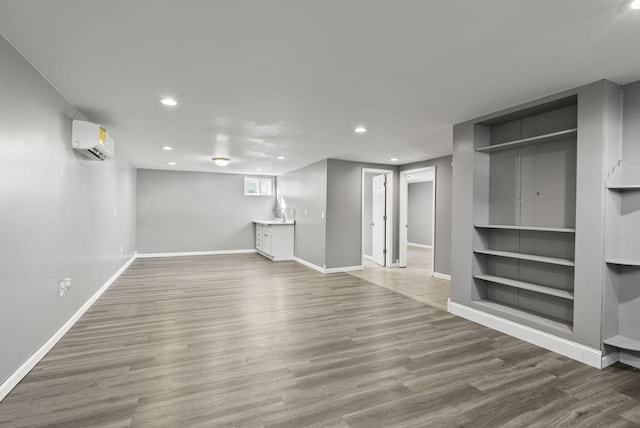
(609, 359)
(411, 244)
(309, 264)
(442, 276)
(196, 253)
(35, 358)
(367, 257)
(343, 269)
(576, 351)
(327, 270)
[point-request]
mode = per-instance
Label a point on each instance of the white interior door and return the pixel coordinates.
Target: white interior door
(379, 219)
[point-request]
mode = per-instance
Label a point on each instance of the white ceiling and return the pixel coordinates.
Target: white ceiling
(256, 79)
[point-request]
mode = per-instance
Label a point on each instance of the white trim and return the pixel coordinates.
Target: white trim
(343, 269)
(309, 264)
(411, 244)
(367, 257)
(196, 253)
(609, 359)
(389, 211)
(403, 211)
(576, 351)
(35, 358)
(442, 276)
(327, 270)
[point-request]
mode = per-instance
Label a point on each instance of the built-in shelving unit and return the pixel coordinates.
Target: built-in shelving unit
(622, 285)
(525, 246)
(529, 218)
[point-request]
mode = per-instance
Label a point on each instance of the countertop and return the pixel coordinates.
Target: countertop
(274, 222)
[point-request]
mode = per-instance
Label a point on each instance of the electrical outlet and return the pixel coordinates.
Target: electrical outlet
(64, 285)
(121, 249)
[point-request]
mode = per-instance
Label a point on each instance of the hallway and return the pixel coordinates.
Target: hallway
(415, 281)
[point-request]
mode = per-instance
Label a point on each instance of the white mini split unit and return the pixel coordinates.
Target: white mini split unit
(91, 140)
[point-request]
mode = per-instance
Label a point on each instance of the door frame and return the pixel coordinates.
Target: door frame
(404, 210)
(389, 213)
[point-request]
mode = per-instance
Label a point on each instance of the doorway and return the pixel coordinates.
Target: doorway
(417, 213)
(377, 216)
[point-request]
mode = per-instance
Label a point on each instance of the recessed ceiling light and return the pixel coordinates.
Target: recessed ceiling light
(360, 130)
(172, 163)
(635, 4)
(393, 159)
(258, 169)
(221, 161)
(167, 148)
(281, 157)
(169, 102)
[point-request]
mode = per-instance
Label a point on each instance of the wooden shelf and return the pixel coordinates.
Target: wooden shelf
(623, 343)
(527, 228)
(531, 257)
(623, 262)
(526, 316)
(546, 138)
(527, 286)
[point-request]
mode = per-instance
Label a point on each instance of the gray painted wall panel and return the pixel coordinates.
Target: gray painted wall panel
(344, 212)
(196, 211)
(306, 189)
(444, 211)
(56, 212)
(631, 126)
(420, 213)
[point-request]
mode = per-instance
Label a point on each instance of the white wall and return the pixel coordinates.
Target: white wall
(60, 215)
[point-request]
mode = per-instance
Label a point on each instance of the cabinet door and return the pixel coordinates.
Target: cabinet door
(266, 240)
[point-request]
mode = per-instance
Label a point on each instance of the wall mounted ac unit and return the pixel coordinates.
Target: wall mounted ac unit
(91, 140)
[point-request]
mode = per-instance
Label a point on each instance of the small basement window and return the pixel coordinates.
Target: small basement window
(258, 186)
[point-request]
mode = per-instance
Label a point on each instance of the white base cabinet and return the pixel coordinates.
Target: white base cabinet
(274, 240)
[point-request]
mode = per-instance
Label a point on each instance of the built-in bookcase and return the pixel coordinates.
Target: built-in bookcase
(621, 329)
(525, 223)
(529, 202)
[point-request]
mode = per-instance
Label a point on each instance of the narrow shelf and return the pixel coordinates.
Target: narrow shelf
(553, 323)
(531, 257)
(527, 286)
(529, 228)
(623, 262)
(624, 187)
(623, 343)
(546, 138)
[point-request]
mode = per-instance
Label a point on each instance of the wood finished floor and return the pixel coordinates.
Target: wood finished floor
(238, 341)
(415, 281)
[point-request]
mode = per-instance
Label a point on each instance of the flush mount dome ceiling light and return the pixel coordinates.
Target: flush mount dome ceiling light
(635, 4)
(221, 161)
(360, 130)
(169, 102)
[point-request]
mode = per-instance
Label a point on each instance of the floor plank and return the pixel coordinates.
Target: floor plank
(239, 341)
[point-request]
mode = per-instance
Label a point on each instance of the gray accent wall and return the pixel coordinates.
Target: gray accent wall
(420, 213)
(305, 190)
(444, 184)
(60, 214)
(344, 212)
(196, 211)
